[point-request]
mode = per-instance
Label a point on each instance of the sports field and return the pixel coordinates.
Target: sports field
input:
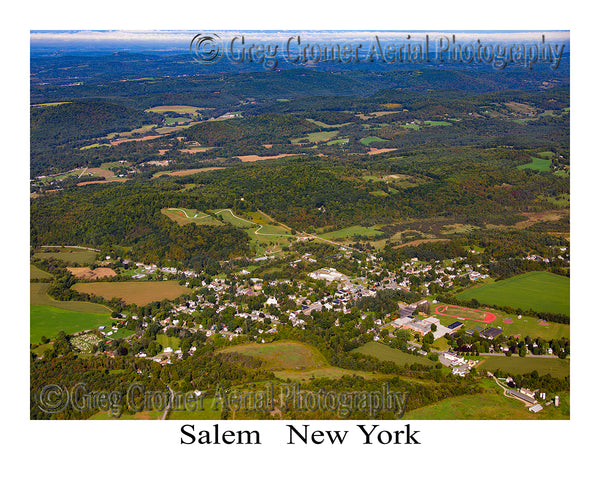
(539, 291)
(463, 313)
(385, 353)
(140, 293)
(282, 355)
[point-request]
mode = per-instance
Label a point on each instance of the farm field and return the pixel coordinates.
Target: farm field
(539, 291)
(437, 123)
(46, 320)
(38, 296)
(36, 273)
(316, 137)
(75, 255)
(325, 372)
(87, 273)
(371, 139)
(539, 164)
(485, 406)
(350, 232)
(385, 353)
(517, 365)
(183, 173)
(175, 108)
(140, 293)
(282, 355)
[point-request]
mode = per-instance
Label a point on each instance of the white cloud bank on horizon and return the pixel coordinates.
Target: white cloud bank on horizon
(310, 35)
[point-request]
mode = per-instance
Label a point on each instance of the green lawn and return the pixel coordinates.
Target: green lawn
(539, 291)
(383, 352)
(167, 341)
(485, 406)
(539, 164)
(517, 365)
(47, 321)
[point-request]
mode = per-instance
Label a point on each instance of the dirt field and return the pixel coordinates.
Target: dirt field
(88, 274)
(535, 217)
(375, 151)
(102, 181)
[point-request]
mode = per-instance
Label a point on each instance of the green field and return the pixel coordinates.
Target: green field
(539, 164)
(167, 341)
(338, 141)
(37, 274)
(47, 321)
(350, 232)
(437, 123)
(75, 255)
(385, 353)
(283, 355)
(517, 365)
(140, 293)
(485, 406)
(368, 140)
(316, 137)
(324, 125)
(539, 291)
(174, 108)
(38, 296)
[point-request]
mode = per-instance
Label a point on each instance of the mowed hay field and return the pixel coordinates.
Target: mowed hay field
(48, 321)
(539, 291)
(36, 273)
(76, 255)
(350, 232)
(49, 316)
(491, 405)
(140, 293)
(516, 365)
(282, 355)
(385, 353)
